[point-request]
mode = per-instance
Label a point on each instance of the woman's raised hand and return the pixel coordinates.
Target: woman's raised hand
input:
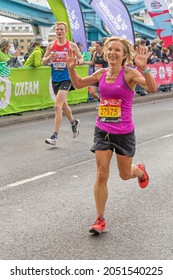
(71, 59)
(141, 57)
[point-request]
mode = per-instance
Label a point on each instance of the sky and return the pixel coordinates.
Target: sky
(5, 19)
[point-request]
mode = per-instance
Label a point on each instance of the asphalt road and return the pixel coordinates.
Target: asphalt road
(46, 193)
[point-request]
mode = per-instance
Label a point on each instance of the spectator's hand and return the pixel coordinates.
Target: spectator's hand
(71, 59)
(16, 53)
(4, 70)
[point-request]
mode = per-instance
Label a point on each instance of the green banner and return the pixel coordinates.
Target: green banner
(29, 89)
(60, 13)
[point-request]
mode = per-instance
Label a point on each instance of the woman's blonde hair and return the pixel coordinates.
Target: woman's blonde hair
(127, 48)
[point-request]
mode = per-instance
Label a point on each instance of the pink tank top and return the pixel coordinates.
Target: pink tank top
(119, 90)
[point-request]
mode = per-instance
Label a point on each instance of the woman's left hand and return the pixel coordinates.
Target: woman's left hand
(71, 59)
(141, 57)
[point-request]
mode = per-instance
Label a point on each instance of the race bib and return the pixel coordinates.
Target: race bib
(109, 110)
(60, 61)
(97, 66)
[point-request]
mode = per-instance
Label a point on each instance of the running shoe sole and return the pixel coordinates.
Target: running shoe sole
(75, 134)
(95, 231)
(143, 185)
(50, 143)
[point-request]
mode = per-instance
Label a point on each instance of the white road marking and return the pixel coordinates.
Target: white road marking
(167, 136)
(26, 181)
(22, 182)
(155, 139)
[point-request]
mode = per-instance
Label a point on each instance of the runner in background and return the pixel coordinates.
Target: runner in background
(56, 56)
(98, 62)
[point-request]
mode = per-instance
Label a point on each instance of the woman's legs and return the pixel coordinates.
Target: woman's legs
(61, 98)
(103, 159)
(127, 170)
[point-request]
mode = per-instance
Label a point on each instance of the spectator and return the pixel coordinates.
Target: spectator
(153, 58)
(170, 47)
(166, 58)
(35, 58)
(142, 45)
(18, 62)
(93, 47)
(147, 42)
(30, 49)
(79, 46)
(44, 45)
(159, 47)
(104, 39)
(5, 55)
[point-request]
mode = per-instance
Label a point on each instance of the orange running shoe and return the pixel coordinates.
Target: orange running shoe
(144, 181)
(99, 226)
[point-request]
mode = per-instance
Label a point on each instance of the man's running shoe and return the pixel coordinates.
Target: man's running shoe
(75, 128)
(99, 226)
(52, 140)
(144, 181)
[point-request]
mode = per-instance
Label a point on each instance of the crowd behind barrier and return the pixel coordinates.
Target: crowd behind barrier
(29, 88)
(163, 73)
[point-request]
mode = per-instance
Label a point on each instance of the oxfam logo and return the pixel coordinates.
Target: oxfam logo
(2, 90)
(5, 92)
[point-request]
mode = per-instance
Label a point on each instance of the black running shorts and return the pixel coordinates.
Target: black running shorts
(64, 85)
(121, 144)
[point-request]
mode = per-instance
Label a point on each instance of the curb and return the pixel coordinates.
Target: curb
(76, 109)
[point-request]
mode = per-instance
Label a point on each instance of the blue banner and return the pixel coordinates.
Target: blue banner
(76, 22)
(115, 16)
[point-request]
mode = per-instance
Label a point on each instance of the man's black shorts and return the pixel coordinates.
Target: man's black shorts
(64, 85)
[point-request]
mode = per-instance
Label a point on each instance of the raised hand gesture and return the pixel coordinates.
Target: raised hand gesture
(141, 57)
(71, 59)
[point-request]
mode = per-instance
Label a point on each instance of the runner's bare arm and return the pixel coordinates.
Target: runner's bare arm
(77, 81)
(146, 80)
(48, 55)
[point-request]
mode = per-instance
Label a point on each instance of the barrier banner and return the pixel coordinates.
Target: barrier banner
(161, 18)
(28, 89)
(4, 70)
(162, 72)
(76, 22)
(115, 16)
